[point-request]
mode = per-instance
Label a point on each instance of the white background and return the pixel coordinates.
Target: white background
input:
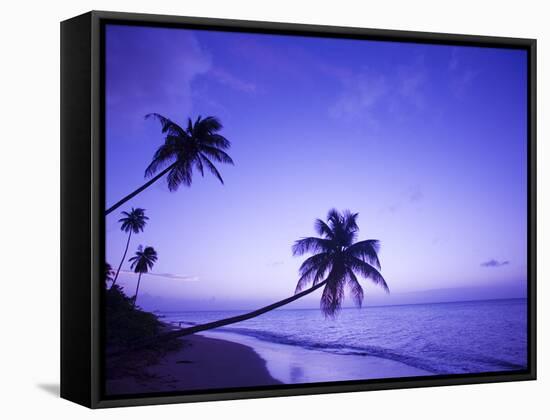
(29, 304)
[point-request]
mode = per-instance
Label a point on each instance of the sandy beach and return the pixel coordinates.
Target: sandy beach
(232, 362)
(201, 363)
(292, 364)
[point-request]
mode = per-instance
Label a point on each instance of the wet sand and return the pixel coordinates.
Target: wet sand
(200, 364)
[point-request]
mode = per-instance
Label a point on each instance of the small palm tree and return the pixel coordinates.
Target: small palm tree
(142, 262)
(337, 262)
(197, 146)
(132, 222)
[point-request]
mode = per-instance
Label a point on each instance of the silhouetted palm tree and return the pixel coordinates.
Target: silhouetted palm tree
(337, 260)
(132, 222)
(197, 146)
(336, 263)
(142, 262)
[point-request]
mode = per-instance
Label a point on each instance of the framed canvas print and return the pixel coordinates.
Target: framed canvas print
(256, 209)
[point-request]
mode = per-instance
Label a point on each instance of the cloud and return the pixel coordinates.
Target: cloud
(151, 70)
(231, 81)
(365, 94)
(360, 94)
(494, 263)
(410, 82)
(461, 75)
(167, 276)
(284, 60)
(410, 195)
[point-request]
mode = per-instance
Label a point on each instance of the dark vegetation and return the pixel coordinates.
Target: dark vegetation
(126, 324)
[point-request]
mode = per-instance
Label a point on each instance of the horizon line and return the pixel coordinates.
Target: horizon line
(351, 307)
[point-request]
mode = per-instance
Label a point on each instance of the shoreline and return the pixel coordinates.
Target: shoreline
(216, 360)
(292, 364)
(202, 363)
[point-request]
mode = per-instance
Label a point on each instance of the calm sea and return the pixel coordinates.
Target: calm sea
(440, 338)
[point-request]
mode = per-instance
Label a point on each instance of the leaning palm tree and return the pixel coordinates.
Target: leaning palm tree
(198, 146)
(337, 262)
(142, 262)
(132, 222)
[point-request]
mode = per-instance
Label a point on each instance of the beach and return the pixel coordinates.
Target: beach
(291, 364)
(204, 362)
(290, 347)
(201, 363)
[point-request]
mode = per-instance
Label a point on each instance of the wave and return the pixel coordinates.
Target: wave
(418, 344)
(464, 363)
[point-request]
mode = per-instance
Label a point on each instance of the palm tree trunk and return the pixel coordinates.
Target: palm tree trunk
(140, 189)
(137, 289)
(244, 317)
(122, 260)
(216, 324)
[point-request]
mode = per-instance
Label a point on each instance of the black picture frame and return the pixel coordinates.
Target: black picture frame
(83, 198)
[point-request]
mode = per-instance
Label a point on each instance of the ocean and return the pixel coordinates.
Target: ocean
(431, 339)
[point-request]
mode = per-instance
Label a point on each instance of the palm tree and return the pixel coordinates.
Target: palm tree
(336, 263)
(197, 146)
(132, 222)
(142, 262)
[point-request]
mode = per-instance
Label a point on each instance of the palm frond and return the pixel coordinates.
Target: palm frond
(368, 271)
(333, 218)
(199, 165)
(333, 294)
(212, 167)
(216, 154)
(143, 260)
(195, 147)
(355, 288)
(323, 229)
(349, 221)
(182, 173)
(367, 251)
(208, 125)
(336, 222)
(311, 244)
(166, 154)
(134, 221)
(136, 257)
(168, 126)
(217, 140)
(125, 214)
(313, 270)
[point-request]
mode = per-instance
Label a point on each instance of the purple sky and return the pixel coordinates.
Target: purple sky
(426, 142)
